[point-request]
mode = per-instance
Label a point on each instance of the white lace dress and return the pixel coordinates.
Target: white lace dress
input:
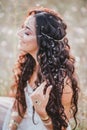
(27, 123)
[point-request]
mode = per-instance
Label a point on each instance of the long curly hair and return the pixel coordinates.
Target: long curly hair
(55, 64)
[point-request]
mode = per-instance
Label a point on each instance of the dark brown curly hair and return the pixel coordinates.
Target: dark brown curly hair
(55, 64)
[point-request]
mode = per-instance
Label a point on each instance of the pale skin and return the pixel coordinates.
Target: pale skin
(28, 44)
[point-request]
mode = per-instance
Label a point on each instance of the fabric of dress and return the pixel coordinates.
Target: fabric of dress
(27, 122)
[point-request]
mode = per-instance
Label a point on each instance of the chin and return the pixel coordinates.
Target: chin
(22, 52)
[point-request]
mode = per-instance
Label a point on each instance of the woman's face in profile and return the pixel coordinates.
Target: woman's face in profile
(27, 36)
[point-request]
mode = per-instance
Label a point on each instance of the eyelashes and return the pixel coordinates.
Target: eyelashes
(27, 33)
(26, 30)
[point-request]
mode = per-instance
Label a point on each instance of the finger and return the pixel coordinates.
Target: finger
(41, 90)
(43, 84)
(41, 87)
(48, 91)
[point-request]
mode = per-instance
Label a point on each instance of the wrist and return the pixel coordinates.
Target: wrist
(47, 121)
(13, 124)
(44, 116)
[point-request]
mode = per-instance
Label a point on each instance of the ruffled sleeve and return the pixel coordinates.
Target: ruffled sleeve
(8, 115)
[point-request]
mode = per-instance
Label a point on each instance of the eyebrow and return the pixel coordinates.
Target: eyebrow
(29, 29)
(26, 27)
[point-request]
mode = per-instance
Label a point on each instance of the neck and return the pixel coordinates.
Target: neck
(34, 55)
(34, 77)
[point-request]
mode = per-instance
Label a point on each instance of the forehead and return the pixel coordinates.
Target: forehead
(30, 21)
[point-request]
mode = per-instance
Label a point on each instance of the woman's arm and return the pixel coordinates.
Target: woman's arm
(40, 102)
(15, 117)
(46, 121)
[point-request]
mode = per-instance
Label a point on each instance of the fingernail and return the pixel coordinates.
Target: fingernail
(51, 86)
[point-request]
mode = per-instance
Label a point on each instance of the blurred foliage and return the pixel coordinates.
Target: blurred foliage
(74, 12)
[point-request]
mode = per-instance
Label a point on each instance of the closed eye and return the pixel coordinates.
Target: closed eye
(27, 30)
(27, 33)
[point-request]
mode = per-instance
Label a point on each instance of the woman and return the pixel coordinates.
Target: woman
(45, 81)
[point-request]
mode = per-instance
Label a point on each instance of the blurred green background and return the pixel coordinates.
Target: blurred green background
(74, 12)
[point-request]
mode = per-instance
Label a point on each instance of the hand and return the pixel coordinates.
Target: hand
(40, 99)
(13, 128)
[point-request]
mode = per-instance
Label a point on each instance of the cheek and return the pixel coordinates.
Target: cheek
(30, 39)
(31, 43)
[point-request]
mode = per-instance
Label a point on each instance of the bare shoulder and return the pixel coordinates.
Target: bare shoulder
(67, 92)
(67, 97)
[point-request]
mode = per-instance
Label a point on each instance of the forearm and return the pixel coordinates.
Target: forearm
(48, 124)
(14, 121)
(47, 121)
(15, 118)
